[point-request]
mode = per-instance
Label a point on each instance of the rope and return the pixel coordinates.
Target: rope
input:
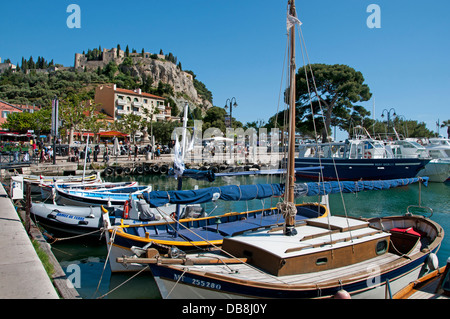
(287, 209)
(143, 269)
(113, 236)
(73, 237)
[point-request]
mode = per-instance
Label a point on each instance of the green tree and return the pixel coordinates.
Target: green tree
(215, 117)
(339, 87)
(444, 124)
(163, 131)
(131, 124)
(71, 112)
(38, 121)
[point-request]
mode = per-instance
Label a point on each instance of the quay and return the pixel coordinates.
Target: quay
(22, 275)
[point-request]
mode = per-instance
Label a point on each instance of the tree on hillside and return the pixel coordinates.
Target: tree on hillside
(336, 88)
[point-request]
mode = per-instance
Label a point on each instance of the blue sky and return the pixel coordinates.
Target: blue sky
(236, 47)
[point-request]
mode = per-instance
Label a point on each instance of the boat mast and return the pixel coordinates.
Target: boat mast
(290, 181)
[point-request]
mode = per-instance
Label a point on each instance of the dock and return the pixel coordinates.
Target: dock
(22, 275)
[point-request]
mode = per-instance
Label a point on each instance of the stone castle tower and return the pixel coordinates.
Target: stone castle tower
(113, 54)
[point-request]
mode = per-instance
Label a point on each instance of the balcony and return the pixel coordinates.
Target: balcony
(121, 102)
(136, 104)
(162, 107)
(137, 113)
(160, 116)
(121, 111)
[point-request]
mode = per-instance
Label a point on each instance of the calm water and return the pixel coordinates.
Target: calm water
(96, 280)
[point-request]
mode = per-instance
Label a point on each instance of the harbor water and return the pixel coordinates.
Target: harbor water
(85, 262)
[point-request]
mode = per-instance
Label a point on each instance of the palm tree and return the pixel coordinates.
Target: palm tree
(444, 124)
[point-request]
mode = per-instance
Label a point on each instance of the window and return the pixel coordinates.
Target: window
(5, 114)
(381, 247)
(321, 261)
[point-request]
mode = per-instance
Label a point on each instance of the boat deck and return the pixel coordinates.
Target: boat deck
(361, 269)
(428, 292)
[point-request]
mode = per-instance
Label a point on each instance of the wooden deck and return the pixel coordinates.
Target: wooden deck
(249, 273)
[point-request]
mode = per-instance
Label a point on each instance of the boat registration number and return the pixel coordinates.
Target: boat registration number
(197, 282)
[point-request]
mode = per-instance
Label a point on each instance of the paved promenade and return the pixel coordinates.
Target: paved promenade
(22, 275)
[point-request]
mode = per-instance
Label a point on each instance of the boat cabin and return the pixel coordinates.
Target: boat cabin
(350, 149)
(407, 149)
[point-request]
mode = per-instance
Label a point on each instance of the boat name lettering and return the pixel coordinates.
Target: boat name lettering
(70, 216)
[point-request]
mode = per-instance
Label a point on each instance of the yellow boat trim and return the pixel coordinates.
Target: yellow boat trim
(189, 243)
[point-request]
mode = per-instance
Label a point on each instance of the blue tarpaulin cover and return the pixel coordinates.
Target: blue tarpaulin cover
(261, 191)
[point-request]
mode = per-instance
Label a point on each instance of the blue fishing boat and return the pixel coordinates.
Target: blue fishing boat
(112, 197)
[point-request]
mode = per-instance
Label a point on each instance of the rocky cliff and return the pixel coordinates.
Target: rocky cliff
(167, 72)
(154, 67)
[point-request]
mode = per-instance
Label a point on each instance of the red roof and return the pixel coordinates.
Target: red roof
(131, 92)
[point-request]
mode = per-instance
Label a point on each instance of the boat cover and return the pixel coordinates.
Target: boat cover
(261, 191)
(324, 188)
(204, 195)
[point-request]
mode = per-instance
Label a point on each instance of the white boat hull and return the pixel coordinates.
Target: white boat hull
(437, 170)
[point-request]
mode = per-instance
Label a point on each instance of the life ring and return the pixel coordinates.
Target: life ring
(368, 155)
(126, 210)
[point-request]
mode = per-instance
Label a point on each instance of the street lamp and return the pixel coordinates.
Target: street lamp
(388, 116)
(231, 108)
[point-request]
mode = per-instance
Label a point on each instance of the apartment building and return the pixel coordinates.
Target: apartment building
(118, 102)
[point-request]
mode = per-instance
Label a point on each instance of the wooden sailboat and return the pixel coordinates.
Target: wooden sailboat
(318, 258)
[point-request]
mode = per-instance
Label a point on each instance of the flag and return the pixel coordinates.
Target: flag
(291, 20)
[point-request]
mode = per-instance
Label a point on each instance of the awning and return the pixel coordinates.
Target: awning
(112, 133)
(83, 134)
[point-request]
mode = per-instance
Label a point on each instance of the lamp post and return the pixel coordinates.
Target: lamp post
(231, 108)
(388, 115)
